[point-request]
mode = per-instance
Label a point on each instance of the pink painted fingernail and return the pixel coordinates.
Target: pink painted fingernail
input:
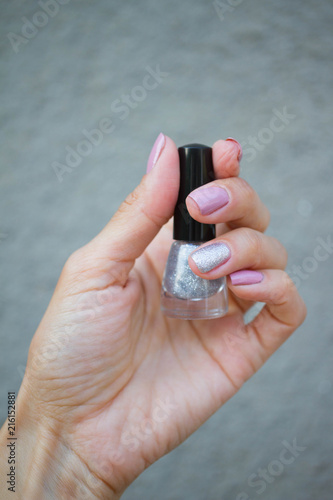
(209, 198)
(156, 151)
(240, 149)
(246, 277)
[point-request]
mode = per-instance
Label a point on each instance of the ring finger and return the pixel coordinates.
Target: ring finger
(241, 248)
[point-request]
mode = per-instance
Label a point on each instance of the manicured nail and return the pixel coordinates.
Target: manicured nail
(245, 277)
(240, 149)
(156, 151)
(210, 198)
(210, 256)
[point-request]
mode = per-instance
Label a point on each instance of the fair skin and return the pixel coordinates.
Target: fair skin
(112, 384)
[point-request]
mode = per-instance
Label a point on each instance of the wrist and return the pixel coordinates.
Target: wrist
(45, 466)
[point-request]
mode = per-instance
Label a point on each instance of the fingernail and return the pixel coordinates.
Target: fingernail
(240, 149)
(245, 277)
(210, 256)
(210, 198)
(156, 151)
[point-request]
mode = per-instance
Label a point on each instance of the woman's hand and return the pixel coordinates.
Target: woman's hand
(111, 383)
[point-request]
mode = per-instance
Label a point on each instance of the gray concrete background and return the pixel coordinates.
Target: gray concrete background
(225, 77)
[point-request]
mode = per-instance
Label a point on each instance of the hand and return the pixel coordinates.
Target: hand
(111, 383)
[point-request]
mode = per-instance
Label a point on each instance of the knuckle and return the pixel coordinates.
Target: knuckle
(73, 262)
(253, 202)
(255, 246)
(241, 190)
(284, 290)
(282, 252)
(279, 294)
(252, 207)
(265, 220)
(288, 291)
(302, 311)
(137, 200)
(156, 219)
(76, 263)
(130, 200)
(288, 286)
(247, 191)
(255, 206)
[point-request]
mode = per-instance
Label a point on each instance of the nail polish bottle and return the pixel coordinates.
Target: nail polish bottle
(184, 294)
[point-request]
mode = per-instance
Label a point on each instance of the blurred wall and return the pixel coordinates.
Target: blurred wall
(223, 69)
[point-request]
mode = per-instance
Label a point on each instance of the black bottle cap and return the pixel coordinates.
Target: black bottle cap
(196, 169)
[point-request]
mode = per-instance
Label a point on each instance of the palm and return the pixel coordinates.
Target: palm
(151, 379)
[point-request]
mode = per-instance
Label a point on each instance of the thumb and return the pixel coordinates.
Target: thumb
(142, 214)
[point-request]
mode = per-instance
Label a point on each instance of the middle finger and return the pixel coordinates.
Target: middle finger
(232, 201)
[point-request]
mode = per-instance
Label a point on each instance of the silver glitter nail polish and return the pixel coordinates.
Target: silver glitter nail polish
(184, 294)
(210, 256)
